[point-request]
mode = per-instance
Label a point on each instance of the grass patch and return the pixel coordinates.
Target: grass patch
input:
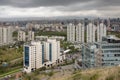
(51, 33)
(8, 54)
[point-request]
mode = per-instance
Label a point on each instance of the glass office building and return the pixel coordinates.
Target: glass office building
(105, 53)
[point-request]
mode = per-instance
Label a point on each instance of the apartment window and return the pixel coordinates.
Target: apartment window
(112, 63)
(117, 55)
(102, 55)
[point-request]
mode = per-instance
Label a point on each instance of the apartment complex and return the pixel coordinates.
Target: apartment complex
(90, 33)
(6, 35)
(41, 53)
(105, 53)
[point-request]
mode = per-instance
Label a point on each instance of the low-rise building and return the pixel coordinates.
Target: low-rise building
(52, 37)
(30, 36)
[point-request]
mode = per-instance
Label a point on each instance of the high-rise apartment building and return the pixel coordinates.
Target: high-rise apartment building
(101, 31)
(91, 28)
(71, 32)
(80, 33)
(6, 35)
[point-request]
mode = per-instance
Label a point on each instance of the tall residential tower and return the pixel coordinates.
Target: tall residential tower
(101, 31)
(80, 31)
(91, 28)
(71, 32)
(6, 35)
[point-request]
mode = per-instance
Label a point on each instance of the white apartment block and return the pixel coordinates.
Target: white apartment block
(101, 31)
(80, 31)
(39, 54)
(30, 35)
(71, 32)
(32, 56)
(91, 28)
(21, 36)
(6, 35)
(1, 36)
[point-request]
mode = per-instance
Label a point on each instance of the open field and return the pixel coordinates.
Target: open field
(8, 54)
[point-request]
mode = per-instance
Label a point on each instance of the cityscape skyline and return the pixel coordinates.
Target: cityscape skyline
(41, 8)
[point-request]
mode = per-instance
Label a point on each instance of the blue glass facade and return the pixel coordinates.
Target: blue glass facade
(50, 52)
(26, 61)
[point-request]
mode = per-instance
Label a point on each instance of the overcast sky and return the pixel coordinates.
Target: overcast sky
(52, 8)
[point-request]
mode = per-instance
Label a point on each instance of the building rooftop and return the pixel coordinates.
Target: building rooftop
(111, 39)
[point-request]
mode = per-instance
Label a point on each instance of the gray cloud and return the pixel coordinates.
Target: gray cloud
(69, 7)
(37, 3)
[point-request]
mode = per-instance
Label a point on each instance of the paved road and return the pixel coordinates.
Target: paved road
(11, 73)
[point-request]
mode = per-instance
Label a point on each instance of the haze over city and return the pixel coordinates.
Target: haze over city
(55, 8)
(59, 39)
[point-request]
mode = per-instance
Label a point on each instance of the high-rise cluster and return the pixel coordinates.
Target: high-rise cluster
(41, 53)
(89, 33)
